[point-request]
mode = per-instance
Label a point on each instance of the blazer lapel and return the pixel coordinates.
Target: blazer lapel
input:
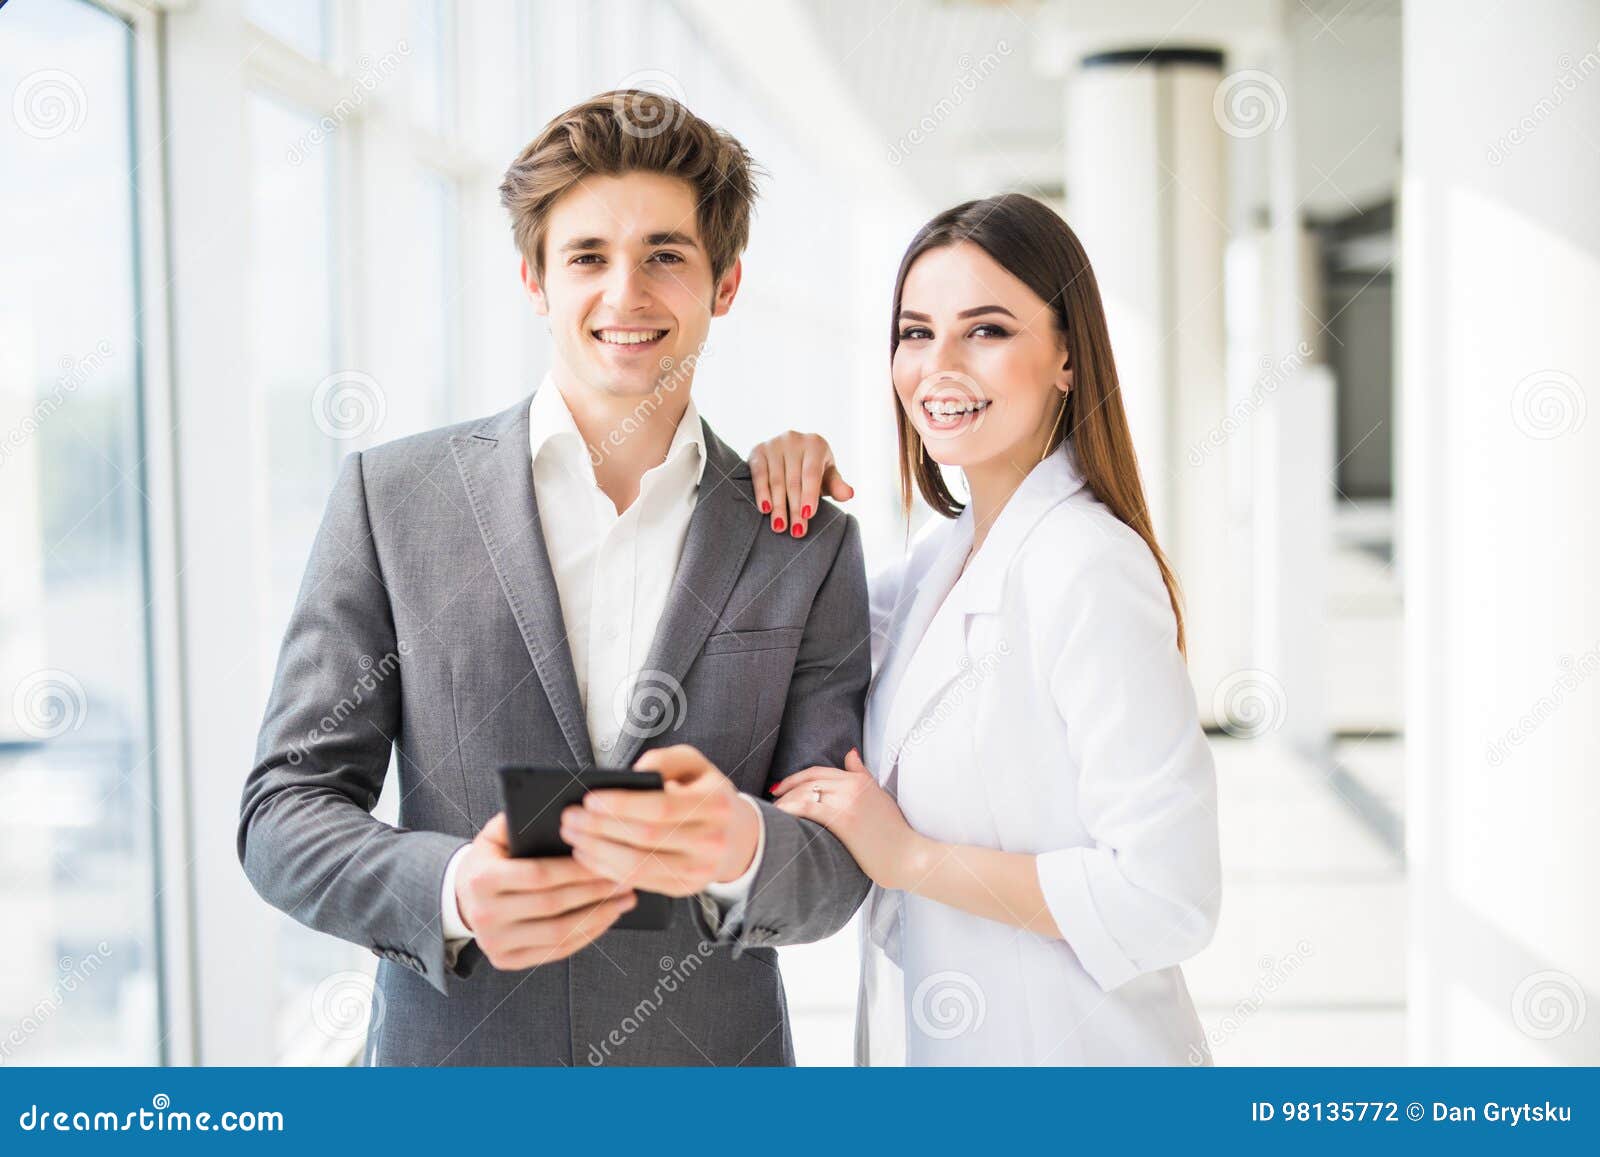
(721, 532)
(497, 469)
(929, 643)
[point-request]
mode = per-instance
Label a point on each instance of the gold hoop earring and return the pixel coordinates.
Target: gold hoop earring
(1049, 442)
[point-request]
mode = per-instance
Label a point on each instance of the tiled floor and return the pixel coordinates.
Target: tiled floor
(1307, 966)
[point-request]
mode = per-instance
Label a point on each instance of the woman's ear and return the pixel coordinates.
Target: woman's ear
(1064, 377)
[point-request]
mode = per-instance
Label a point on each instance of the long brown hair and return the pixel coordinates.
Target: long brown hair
(1038, 248)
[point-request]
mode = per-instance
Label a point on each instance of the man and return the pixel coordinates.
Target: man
(577, 581)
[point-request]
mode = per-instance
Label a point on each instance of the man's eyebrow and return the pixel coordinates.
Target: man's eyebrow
(581, 244)
(913, 315)
(672, 237)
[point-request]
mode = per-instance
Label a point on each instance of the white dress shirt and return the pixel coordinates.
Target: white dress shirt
(614, 574)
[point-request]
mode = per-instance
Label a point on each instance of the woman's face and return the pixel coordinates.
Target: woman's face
(980, 366)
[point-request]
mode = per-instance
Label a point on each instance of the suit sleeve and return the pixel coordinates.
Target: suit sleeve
(307, 838)
(807, 885)
(1145, 893)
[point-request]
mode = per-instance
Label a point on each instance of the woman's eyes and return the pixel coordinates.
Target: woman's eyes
(986, 329)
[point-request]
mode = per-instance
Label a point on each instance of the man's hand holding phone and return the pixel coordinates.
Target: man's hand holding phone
(693, 832)
(525, 912)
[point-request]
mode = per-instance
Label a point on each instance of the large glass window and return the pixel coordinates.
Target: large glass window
(77, 770)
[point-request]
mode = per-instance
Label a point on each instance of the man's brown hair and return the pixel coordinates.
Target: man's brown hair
(626, 131)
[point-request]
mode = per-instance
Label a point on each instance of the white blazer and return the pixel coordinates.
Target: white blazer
(1040, 704)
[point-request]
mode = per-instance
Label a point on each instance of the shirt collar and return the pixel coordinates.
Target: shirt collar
(549, 420)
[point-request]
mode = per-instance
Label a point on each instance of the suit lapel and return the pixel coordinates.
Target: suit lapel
(721, 532)
(497, 470)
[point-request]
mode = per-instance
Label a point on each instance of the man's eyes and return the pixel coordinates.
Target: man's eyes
(664, 257)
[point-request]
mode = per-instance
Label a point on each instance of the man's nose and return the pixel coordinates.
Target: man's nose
(626, 289)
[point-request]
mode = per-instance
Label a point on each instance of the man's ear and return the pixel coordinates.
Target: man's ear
(727, 288)
(541, 305)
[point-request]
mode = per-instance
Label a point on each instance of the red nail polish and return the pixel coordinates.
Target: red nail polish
(777, 524)
(766, 508)
(799, 530)
(805, 512)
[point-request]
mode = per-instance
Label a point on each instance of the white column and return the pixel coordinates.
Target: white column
(1147, 194)
(1500, 365)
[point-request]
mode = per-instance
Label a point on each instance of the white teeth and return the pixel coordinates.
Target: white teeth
(951, 409)
(628, 336)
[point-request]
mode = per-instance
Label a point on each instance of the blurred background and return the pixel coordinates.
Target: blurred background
(1349, 253)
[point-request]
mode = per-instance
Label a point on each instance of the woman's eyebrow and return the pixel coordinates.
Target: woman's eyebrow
(913, 315)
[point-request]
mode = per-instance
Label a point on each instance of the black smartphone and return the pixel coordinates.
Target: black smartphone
(534, 799)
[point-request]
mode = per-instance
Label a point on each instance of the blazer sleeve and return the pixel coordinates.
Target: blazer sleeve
(807, 885)
(1146, 892)
(307, 838)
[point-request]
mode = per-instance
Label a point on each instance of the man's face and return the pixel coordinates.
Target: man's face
(627, 283)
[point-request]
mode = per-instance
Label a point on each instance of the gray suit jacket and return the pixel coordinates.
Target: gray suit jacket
(428, 624)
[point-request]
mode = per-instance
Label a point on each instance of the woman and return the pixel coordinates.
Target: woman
(1036, 806)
